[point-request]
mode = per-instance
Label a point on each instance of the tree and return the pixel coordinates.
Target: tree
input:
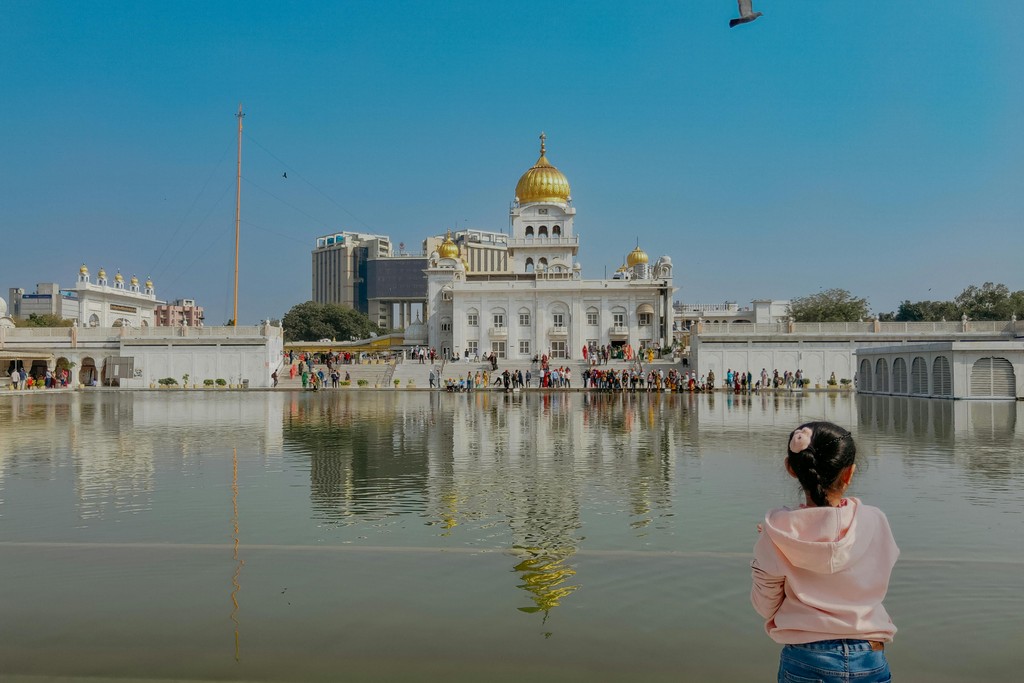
(310, 321)
(44, 320)
(832, 305)
(989, 302)
(928, 311)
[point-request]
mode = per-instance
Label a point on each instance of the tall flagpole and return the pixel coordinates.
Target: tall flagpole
(238, 209)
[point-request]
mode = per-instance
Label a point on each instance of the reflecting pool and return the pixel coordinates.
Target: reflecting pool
(408, 536)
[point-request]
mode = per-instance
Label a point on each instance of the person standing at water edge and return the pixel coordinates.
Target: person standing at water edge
(821, 571)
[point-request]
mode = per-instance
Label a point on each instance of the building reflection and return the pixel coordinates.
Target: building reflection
(114, 440)
(508, 470)
(923, 430)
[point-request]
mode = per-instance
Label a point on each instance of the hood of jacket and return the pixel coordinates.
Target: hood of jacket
(824, 540)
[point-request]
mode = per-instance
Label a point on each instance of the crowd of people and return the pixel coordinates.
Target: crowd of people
(20, 379)
(543, 374)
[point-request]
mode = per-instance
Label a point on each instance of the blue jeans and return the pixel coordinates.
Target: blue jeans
(833, 661)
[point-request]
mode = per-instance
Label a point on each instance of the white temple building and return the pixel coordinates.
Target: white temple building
(541, 304)
(104, 303)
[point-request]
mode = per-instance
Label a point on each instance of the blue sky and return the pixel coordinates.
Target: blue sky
(874, 146)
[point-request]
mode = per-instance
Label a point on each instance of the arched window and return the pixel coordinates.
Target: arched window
(882, 376)
(899, 376)
(529, 231)
(556, 231)
(543, 262)
(529, 265)
(524, 317)
(993, 377)
(942, 380)
(864, 377)
(542, 231)
(919, 377)
(94, 320)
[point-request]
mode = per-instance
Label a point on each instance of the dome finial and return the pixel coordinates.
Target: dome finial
(543, 149)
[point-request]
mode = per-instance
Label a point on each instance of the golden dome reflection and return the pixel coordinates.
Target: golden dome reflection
(543, 182)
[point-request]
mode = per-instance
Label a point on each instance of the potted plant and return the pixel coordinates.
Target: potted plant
(362, 382)
(221, 383)
(207, 383)
(846, 383)
(397, 382)
(184, 380)
(345, 382)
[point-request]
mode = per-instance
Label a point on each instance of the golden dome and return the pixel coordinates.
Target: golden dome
(636, 257)
(102, 273)
(448, 248)
(543, 182)
(119, 277)
(149, 283)
(83, 270)
(134, 281)
(621, 269)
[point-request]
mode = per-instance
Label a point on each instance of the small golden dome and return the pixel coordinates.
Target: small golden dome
(119, 277)
(83, 270)
(621, 269)
(134, 281)
(636, 257)
(543, 182)
(448, 248)
(149, 283)
(102, 273)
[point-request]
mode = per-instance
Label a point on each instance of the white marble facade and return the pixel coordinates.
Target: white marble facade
(544, 306)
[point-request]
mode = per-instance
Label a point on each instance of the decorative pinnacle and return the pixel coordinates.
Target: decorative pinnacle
(543, 137)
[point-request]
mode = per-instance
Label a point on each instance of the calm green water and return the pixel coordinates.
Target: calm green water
(392, 536)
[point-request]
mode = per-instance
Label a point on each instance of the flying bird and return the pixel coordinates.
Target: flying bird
(284, 175)
(747, 13)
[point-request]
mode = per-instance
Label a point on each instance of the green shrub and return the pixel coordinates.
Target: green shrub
(362, 382)
(207, 382)
(167, 381)
(221, 382)
(345, 382)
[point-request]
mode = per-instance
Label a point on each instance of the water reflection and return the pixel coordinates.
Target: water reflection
(497, 470)
(113, 440)
(984, 433)
(477, 513)
(236, 584)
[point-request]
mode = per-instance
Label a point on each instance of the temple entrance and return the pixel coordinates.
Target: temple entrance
(87, 375)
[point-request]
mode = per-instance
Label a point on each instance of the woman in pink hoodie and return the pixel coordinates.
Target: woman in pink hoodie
(821, 570)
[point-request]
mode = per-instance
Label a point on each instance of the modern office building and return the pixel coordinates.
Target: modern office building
(339, 268)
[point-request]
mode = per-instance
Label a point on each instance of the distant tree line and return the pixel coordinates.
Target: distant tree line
(988, 302)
